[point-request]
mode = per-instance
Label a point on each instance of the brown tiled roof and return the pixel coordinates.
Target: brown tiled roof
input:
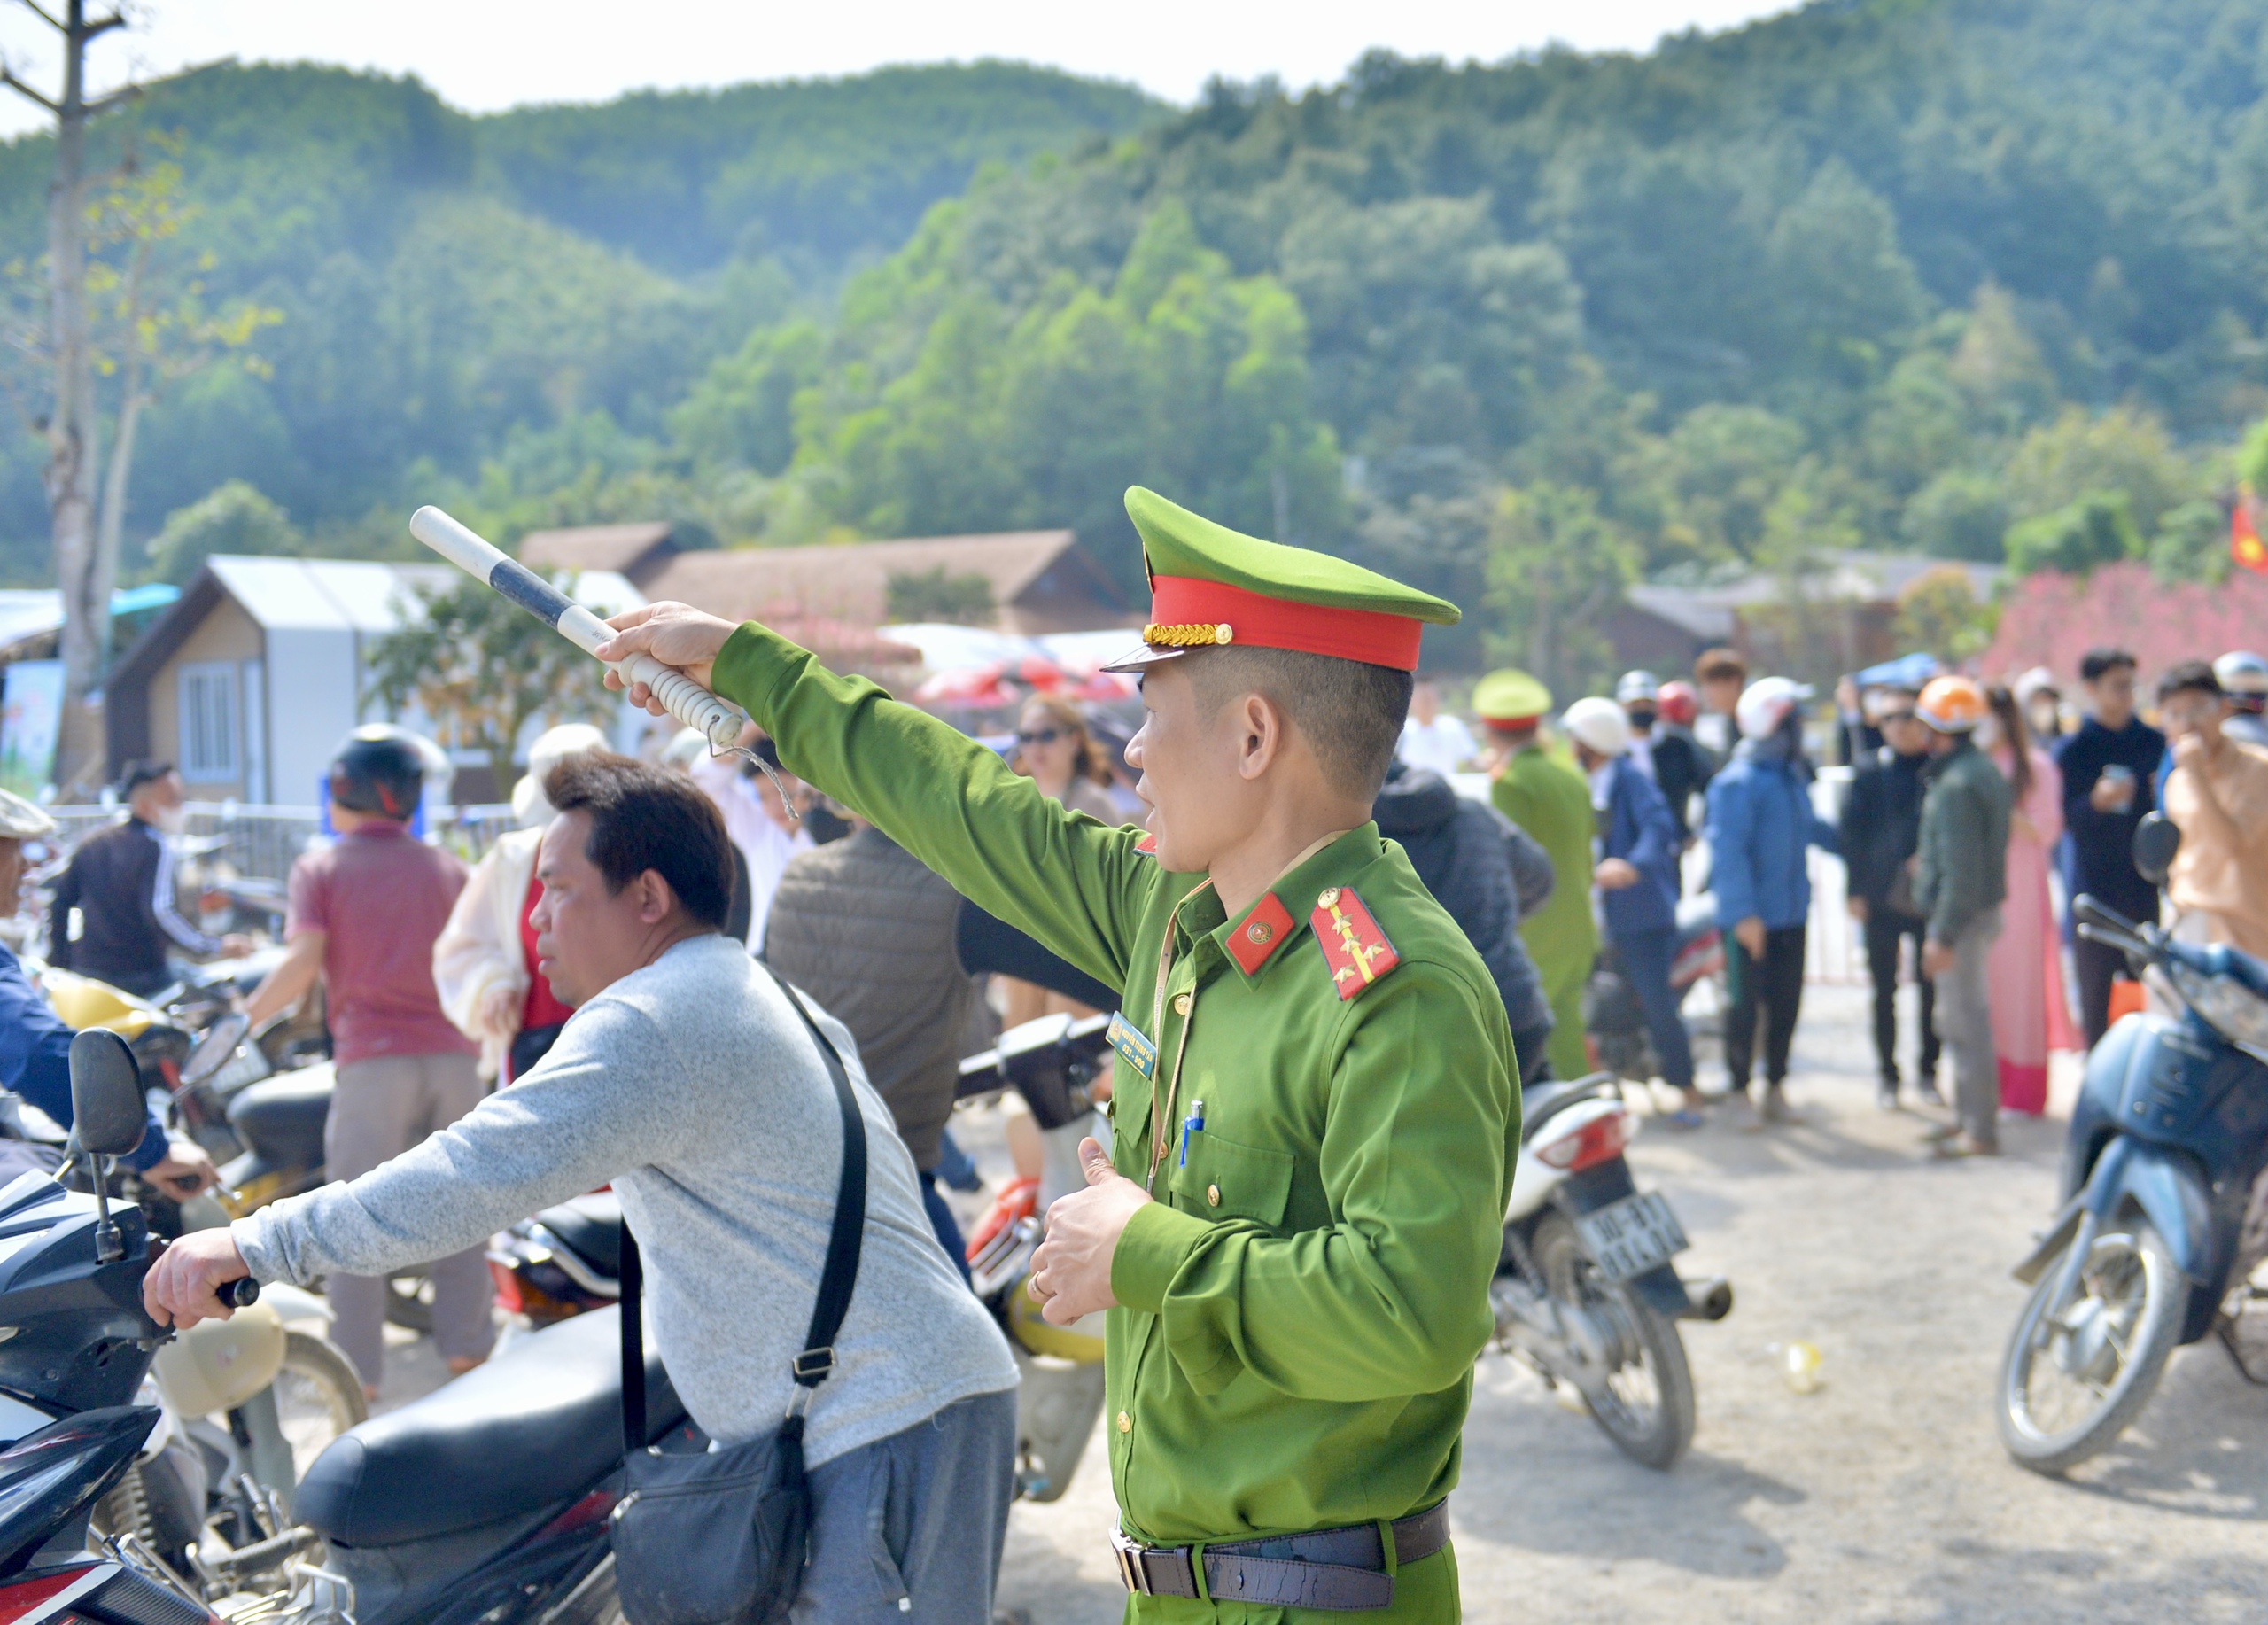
(1042, 580)
(625, 549)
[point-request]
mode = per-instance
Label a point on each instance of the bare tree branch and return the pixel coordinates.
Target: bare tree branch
(116, 19)
(8, 78)
(103, 104)
(40, 12)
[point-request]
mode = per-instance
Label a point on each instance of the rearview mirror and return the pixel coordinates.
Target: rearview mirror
(2156, 839)
(107, 1112)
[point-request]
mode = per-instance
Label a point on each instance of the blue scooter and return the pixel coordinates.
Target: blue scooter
(2163, 1161)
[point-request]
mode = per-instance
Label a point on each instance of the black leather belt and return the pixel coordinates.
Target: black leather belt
(1342, 1571)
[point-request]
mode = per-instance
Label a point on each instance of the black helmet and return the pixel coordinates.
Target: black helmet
(380, 769)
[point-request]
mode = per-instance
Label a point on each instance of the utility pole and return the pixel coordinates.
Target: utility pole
(73, 422)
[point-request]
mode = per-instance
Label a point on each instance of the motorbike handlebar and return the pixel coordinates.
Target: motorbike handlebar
(241, 1294)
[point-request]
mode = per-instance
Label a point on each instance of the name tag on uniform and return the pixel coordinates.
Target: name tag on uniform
(1133, 1048)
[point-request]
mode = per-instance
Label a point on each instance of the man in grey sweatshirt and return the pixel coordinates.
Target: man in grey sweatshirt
(686, 1079)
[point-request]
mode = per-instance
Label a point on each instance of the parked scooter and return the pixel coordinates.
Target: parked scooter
(2164, 1163)
(1053, 1063)
(1586, 1293)
(488, 1500)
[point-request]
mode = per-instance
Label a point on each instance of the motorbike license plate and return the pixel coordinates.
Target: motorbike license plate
(1630, 1237)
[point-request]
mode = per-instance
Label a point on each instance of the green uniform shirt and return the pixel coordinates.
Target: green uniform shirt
(1304, 1301)
(1551, 800)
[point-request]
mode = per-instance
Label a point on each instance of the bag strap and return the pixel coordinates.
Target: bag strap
(840, 1276)
(837, 1278)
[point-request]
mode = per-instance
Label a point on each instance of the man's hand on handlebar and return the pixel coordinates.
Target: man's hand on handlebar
(676, 634)
(183, 1285)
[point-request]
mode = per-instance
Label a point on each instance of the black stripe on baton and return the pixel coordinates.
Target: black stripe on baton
(529, 591)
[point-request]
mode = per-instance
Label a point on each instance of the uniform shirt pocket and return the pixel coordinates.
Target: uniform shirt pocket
(1224, 1180)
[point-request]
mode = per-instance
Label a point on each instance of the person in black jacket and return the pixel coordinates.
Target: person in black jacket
(1670, 755)
(121, 884)
(2109, 766)
(1488, 872)
(1882, 824)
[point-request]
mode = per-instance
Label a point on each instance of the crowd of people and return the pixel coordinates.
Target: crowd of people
(1971, 815)
(651, 981)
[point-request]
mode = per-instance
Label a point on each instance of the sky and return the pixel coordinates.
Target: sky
(486, 55)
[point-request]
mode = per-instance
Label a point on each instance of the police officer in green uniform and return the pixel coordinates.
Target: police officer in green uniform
(1546, 795)
(1316, 1113)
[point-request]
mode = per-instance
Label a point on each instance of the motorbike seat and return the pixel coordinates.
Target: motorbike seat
(538, 1425)
(592, 1226)
(281, 1117)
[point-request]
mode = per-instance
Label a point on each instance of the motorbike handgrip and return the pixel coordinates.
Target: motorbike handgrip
(241, 1294)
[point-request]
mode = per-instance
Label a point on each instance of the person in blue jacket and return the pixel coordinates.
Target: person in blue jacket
(35, 1046)
(1637, 878)
(1760, 821)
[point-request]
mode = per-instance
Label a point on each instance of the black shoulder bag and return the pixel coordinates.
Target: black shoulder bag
(720, 1538)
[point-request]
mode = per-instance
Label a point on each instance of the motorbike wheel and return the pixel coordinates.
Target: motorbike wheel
(1647, 1407)
(2072, 1379)
(318, 1396)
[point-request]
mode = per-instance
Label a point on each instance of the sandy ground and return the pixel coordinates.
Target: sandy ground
(1884, 1497)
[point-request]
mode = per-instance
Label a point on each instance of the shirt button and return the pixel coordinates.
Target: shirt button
(1125, 1423)
(1213, 1195)
(1181, 1003)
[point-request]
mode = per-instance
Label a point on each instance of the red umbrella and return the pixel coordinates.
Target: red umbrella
(1105, 686)
(978, 686)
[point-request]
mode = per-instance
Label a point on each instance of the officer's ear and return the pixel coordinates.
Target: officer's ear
(1266, 730)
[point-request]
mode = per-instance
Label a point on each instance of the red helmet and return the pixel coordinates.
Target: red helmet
(1678, 703)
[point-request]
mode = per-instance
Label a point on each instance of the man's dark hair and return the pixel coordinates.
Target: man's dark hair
(2191, 676)
(1350, 713)
(644, 817)
(1717, 664)
(2096, 662)
(139, 774)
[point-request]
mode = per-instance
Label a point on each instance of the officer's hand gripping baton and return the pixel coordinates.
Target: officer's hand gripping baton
(717, 720)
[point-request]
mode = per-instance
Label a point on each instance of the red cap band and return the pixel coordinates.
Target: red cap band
(1367, 635)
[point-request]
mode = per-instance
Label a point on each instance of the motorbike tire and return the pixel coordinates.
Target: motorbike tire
(2156, 1331)
(1657, 1440)
(318, 1396)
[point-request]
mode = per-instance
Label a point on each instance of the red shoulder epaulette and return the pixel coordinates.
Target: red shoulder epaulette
(1356, 951)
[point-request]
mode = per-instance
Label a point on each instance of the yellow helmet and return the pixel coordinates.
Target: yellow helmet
(83, 1002)
(1951, 704)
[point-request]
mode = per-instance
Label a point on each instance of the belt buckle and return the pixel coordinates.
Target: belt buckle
(1129, 1554)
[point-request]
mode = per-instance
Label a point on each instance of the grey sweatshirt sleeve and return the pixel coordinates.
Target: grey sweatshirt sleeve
(606, 1099)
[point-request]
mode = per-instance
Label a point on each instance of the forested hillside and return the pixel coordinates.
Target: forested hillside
(1978, 279)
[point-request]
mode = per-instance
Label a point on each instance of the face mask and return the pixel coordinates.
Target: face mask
(2043, 717)
(1987, 734)
(1642, 721)
(173, 821)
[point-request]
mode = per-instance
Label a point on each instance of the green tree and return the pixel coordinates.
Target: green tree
(2122, 450)
(483, 671)
(234, 517)
(1961, 514)
(1555, 568)
(2097, 529)
(1940, 613)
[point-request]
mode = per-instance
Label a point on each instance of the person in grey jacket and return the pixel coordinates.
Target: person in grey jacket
(1490, 874)
(686, 1078)
(1960, 879)
(865, 928)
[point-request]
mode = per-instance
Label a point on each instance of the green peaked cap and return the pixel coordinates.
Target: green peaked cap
(1177, 542)
(1510, 695)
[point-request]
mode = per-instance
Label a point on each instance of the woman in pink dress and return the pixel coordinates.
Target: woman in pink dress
(2025, 969)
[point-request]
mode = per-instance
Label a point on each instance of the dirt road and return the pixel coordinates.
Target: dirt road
(1884, 1497)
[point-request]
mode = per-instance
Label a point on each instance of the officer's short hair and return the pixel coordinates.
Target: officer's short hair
(139, 774)
(1351, 713)
(644, 817)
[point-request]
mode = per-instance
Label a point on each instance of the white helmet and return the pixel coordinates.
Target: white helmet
(552, 747)
(1765, 704)
(2241, 671)
(1599, 724)
(1637, 688)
